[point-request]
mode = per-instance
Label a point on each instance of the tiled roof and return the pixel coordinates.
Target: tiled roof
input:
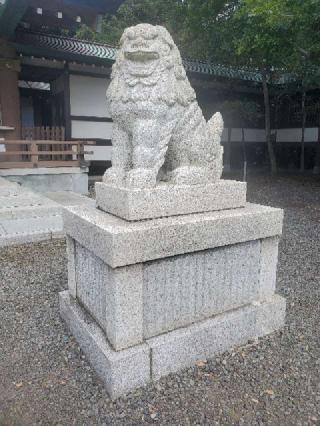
(218, 70)
(65, 47)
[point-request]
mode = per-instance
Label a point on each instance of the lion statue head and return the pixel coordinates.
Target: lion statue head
(148, 66)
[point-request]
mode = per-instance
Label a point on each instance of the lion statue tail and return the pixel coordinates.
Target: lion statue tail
(215, 128)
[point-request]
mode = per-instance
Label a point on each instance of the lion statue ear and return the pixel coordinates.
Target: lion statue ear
(183, 93)
(123, 38)
(180, 72)
(128, 32)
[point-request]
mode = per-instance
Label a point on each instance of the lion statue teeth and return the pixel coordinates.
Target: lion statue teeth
(159, 131)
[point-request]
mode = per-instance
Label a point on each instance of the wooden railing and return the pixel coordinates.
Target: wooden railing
(54, 133)
(42, 153)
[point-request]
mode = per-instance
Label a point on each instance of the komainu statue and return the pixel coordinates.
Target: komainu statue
(159, 131)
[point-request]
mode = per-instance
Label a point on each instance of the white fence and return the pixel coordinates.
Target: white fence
(103, 153)
(282, 135)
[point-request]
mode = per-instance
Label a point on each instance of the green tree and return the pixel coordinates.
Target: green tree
(265, 34)
(271, 36)
(282, 35)
(205, 31)
(133, 12)
(199, 27)
(305, 59)
(238, 113)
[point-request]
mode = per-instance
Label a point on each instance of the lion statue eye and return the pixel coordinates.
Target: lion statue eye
(150, 35)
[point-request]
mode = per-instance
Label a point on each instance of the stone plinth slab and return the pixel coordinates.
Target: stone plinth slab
(119, 242)
(182, 348)
(130, 368)
(169, 200)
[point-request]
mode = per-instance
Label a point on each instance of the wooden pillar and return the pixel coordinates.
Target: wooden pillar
(9, 92)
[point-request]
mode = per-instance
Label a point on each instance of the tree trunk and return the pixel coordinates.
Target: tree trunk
(304, 116)
(227, 152)
(244, 155)
(316, 169)
(267, 118)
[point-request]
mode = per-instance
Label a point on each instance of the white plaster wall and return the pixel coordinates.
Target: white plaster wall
(100, 153)
(103, 153)
(255, 135)
(88, 96)
(283, 135)
(250, 135)
(294, 135)
(91, 129)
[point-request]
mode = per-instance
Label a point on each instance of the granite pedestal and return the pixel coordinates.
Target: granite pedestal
(169, 200)
(150, 297)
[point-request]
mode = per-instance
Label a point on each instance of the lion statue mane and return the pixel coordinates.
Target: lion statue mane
(159, 132)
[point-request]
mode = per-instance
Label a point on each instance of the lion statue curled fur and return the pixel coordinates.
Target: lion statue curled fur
(159, 132)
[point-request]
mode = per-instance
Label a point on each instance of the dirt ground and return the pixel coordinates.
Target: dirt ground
(46, 380)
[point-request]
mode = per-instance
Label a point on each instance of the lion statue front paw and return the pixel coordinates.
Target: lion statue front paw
(141, 178)
(114, 176)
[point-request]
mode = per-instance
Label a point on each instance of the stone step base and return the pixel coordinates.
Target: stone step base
(27, 217)
(30, 230)
(125, 370)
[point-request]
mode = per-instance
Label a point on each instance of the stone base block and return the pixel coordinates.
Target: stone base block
(122, 371)
(170, 200)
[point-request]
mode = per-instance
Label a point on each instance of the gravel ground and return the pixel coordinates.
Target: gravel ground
(45, 378)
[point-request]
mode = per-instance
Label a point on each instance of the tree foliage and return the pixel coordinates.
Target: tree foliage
(270, 36)
(133, 12)
(205, 29)
(256, 33)
(305, 56)
(199, 27)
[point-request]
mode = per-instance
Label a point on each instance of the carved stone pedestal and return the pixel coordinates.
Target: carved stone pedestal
(151, 297)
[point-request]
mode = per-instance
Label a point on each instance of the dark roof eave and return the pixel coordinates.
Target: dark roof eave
(72, 49)
(41, 52)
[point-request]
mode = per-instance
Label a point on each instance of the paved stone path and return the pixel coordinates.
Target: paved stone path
(27, 216)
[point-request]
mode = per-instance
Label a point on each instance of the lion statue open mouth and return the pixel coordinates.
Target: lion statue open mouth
(159, 131)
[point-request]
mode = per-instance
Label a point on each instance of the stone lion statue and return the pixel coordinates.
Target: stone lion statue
(159, 131)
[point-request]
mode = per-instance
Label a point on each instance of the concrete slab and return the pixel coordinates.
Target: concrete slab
(2, 231)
